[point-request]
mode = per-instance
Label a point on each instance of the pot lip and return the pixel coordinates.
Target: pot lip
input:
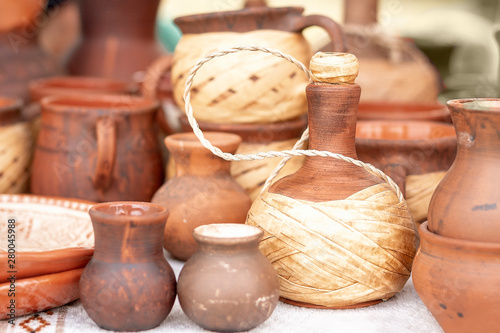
(450, 139)
(105, 102)
(470, 104)
(456, 244)
(157, 213)
(220, 233)
(224, 141)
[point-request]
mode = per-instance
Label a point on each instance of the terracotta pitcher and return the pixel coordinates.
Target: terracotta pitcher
(236, 298)
(466, 203)
(128, 285)
(332, 214)
(202, 191)
(99, 148)
(118, 39)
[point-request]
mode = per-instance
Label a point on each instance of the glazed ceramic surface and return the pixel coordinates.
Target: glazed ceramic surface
(466, 203)
(99, 148)
(202, 192)
(458, 282)
(128, 285)
(228, 285)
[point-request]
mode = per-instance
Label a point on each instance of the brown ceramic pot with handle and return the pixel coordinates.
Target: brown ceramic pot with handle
(466, 204)
(419, 152)
(202, 191)
(99, 148)
(128, 284)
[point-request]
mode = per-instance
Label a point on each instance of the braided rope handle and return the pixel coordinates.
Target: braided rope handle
(287, 154)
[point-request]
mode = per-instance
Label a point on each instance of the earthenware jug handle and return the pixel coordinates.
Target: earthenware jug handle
(106, 152)
(332, 28)
(149, 88)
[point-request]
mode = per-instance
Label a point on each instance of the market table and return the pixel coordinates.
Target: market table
(404, 312)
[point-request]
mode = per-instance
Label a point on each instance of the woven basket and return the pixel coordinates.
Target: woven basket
(419, 191)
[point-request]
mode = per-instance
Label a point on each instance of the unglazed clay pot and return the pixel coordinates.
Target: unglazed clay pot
(202, 191)
(333, 214)
(238, 297)
(99, 148)
(420, 151)
(128, 285)
(458, 282)
(404, 111)
(466, 203)
(118, 39)
(252, 175)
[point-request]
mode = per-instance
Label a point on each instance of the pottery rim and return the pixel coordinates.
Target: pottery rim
(402, 111)
(227, 234)
(121, 212)
(84, 103)
(222, 140)
(476, 104)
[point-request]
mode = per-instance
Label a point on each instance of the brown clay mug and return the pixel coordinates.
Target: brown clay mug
(99, 148)
(228, 285)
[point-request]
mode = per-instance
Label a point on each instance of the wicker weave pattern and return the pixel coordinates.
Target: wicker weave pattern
(337, 253)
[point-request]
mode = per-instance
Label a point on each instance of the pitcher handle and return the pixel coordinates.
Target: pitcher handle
(150, 84)
(332, 28)
(106, 152)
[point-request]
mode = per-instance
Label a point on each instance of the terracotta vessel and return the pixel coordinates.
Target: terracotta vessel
(465, 204)
(222, 96)
(16, 147)
(458, 282)
(118, 39)
(251, 175)
(312, 218)
(238, 297)
(128, 285)
(405, 150)
(99, 148)
(408, 74)
(202, 191)
(23, 60)
(404, 111)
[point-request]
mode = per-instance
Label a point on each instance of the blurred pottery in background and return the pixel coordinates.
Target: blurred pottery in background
(237, 298)
(99, 148)
(415, 154)
(466, 203)
(458, 281)
(202, 191)
(128, 284)
(403, 111)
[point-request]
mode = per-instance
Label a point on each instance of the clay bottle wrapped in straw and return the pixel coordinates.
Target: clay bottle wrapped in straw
(338, 235)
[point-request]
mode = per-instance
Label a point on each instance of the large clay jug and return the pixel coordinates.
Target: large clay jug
(330, 229)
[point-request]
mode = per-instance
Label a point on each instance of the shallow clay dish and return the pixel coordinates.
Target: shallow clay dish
(51, 234)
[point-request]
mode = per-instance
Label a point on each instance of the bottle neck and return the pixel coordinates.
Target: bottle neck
(198, 162)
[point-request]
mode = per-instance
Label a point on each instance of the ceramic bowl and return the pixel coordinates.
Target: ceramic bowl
(403, 111)
(458, 282)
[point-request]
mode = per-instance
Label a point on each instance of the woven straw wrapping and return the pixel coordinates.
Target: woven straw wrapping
(419, 191)
(337, 253)
(242, 88)
(16, 148)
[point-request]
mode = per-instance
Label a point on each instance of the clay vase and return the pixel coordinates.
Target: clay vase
(466, 203)
(404, 111)
(21, 58)
(118, 39)
(248, 87)
(415, 154)
(458, 282)
(202, 191)
(408, 75)
(251, 175)
(329, 229)
(128, 285)
(238, 297)
(16, 147)
(97, 147)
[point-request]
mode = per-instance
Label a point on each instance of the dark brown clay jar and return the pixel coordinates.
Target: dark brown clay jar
(128, 285)
(466, 203)
(118, 39)
(404, 148)
(228, 285)
(458, 282)
(403, 111)
(202, 191)
(99, 148)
